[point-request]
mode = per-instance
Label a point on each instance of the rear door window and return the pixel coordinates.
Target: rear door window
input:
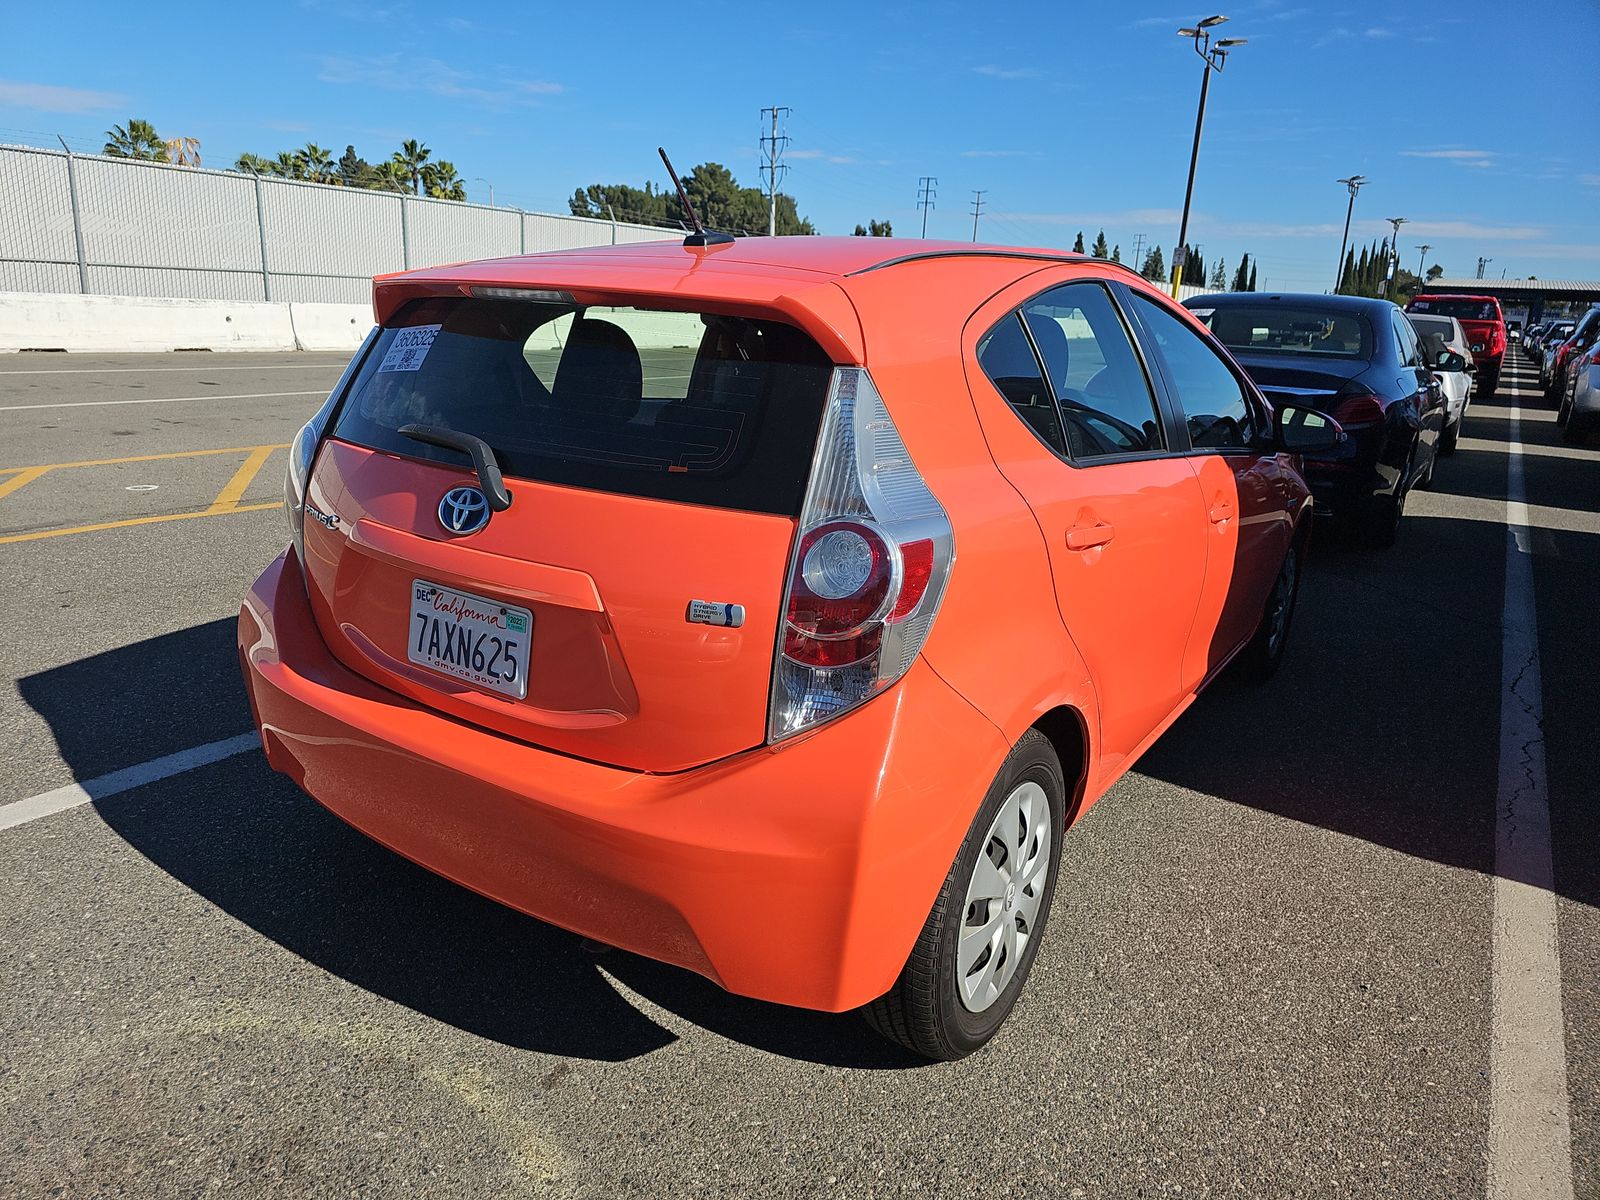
(685, 406)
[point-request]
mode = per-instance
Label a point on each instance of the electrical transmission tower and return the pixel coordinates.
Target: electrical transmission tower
(772, 147)
(927, 191)
(1138, 242)
(977, 208)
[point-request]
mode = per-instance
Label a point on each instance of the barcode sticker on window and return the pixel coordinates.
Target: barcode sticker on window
(409, 348)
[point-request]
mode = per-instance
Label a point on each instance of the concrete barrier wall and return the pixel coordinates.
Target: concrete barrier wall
(119, 324)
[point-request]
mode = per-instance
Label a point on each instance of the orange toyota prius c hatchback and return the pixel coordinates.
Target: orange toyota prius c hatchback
(771, 608)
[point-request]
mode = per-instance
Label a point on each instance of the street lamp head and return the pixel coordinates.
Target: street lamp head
(1189, 33)
(1210, 21)
(1225, 43)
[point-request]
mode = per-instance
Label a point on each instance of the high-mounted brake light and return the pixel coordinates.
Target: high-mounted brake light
(528, 295)
(869, 567)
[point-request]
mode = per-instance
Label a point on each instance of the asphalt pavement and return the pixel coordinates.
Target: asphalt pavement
(1269, 972)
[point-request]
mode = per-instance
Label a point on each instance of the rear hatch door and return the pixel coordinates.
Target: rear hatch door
(624, 608)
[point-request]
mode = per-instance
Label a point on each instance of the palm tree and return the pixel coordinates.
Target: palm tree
(288, 166)
(139, 140)
(254, 164)
(412, 155)
(442, 182)
(183, 151)
(390, 177)
(316, 162)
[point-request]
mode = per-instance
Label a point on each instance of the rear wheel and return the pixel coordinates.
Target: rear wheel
(1259, 660)
(1382, 523)
(1487, 383)
(978, 944)
(1576, 431)
(1451, 435)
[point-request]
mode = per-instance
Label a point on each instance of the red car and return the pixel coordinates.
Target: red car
(1481, 317)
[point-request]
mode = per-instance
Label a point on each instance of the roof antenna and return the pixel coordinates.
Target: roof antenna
(701, 236)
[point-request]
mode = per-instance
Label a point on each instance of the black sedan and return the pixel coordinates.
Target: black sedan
(1360, 361)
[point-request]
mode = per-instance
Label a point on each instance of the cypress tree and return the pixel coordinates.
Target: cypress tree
(1252, 286)
(1241, 277)
(1116, 253)
(1077, 246)
(1099, 250)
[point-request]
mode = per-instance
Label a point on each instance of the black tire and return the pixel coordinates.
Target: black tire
(923, 1011)
(1487, 385)
(1576, 431)
(1451, 435)
(1259, 660)
(1562, 413)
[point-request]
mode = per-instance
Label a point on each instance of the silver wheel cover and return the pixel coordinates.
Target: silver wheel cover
(1000, 916)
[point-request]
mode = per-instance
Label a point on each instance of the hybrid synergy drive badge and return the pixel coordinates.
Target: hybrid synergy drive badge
(704, 612)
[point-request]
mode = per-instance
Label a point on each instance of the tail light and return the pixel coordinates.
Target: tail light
(868, 570)
(1595, 357)
(1358, 405)
(303, 451)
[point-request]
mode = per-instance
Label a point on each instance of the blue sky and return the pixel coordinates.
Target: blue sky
(1475, 120)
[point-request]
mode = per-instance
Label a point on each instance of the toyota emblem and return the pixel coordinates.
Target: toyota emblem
(464, 510)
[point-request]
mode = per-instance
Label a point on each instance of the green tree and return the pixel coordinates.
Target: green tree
(253, 164)
(289, 165)
(716, 195)
(1116, 253)
(1252, 286)
(1077, 246)
(875, 228)
(1219, 277)
(439, 180)
(412, 155)
(1241, 277)
(138, 139)
(1435, 271)
(316, 164)
(1099, 250)
(1155, 266)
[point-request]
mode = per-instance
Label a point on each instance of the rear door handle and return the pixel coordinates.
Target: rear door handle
(1088, 537)
(1221, 511)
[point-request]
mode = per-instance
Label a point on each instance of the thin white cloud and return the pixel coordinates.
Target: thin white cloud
(995, 72)
(1589, 180)
(1448, 153)
(1000, 154)
(44, 97)
(821, 156)
(401, 73)
(1380, 33)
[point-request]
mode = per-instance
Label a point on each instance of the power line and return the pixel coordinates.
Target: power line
(772, 161)
(977, 208)
(927, 191)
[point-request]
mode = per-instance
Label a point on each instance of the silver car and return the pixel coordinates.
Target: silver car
(1439, 333)
(1579, 414)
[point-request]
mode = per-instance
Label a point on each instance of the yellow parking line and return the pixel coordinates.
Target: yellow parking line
(111, 462)
(24, 476)
(185, 516)
(228, 498)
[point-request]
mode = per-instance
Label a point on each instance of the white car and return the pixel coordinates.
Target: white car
(1439, 334)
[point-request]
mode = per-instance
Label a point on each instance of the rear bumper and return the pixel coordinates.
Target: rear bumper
(799, 875)
(1350, 484)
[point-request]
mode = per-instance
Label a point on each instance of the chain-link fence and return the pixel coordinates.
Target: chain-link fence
(117, 226)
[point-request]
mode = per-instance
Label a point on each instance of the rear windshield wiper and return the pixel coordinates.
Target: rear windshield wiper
(475, 448)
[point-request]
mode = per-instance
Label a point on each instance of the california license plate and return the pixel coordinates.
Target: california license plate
(470, 638)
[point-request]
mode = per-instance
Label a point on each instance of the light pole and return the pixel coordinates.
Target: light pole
(1353, 185)
(1394, 256)
(1214, 58)
(487, 184)
(1422, 260)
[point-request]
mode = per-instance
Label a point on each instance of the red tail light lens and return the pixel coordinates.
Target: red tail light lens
(1363, 408)
(846, 570)
(917, 560)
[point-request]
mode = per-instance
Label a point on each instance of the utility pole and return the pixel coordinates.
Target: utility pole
(1352, 185)
(1422, 261)
(772, 162)
(977, 207)
(1394, 255)
(1482, 263)
(927, 191)
(1138, 243)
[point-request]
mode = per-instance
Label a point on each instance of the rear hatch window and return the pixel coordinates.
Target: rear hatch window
(684, 406)
(625, 607)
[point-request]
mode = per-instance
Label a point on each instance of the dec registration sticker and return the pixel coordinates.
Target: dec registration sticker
(470, 638)
(409, 348)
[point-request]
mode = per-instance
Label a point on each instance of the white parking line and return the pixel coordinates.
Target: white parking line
(20, 812)
(335, 365)
(1530, 1129)
(162, 400)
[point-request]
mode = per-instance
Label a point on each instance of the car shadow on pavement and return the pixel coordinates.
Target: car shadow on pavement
(248, 841)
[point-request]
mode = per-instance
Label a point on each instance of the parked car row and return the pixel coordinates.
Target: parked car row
(1485, 326)
(1570, 372)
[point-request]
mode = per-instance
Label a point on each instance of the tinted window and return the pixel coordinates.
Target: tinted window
(1288, 329)
(1461, 310)
(1212, 398)
(1008, 360)
(679, 406)
(1104, 397)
